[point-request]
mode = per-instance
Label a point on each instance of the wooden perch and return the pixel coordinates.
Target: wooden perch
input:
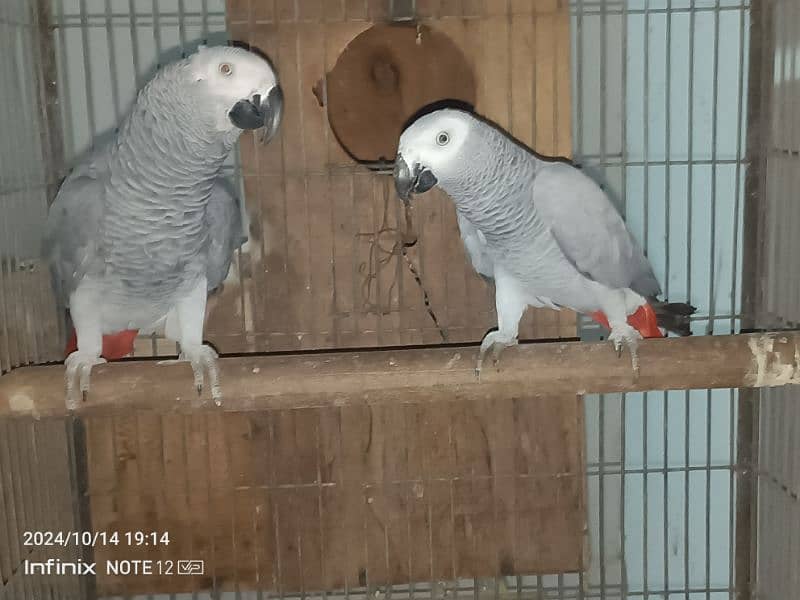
(419, 375)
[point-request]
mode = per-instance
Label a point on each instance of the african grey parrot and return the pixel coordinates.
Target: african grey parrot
(143, 229)
(542, 230)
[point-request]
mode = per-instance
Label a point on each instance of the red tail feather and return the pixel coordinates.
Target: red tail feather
(115, 345)
(643, 320)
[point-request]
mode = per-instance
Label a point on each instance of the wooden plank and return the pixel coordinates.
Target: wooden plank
(311, 10)
(427, 9)
(221, 496)
(344, 283)
(414, 491)
(365, 291)
(522, 48)
(563, 70)
(199, 494)
(334, 10)
(311, 65)
(356, 9)
(298, 253)
(432, 247)
(321, 279)
(473, 506)
(286, 10)
(385, 226)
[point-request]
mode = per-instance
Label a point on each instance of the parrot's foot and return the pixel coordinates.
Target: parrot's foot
(201, 358)
(495, 341)
(624, 334)
(79, 366)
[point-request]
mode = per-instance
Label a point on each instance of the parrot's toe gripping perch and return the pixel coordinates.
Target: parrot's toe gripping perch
(79, 366)
(495, 341)
(202, 358)
(625, 335)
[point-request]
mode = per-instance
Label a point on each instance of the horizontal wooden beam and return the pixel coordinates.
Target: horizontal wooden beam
(260, 382)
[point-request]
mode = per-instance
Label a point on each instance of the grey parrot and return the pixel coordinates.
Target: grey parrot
(143, 229)
(542, 230)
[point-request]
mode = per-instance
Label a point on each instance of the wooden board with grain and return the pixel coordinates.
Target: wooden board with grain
(319, 271)
(327, 498)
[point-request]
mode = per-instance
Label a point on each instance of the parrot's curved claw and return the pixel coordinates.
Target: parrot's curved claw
(79, 366)
(495, 341)
(625, 335)
(202, 358)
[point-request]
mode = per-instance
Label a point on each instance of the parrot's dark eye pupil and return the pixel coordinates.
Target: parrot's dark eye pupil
(442, 138)
(225, 69)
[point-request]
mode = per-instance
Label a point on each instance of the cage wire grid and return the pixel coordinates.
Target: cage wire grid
(650, 81)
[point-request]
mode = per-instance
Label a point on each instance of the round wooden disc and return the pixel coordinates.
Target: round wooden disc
(386, 75)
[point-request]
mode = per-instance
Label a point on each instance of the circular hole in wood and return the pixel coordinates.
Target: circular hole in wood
(385, 76)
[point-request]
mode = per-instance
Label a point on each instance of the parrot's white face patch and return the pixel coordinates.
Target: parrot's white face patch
(229, 75)
(435, 140)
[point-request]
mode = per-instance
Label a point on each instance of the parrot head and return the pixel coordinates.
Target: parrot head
(431, 150)
(240, 87)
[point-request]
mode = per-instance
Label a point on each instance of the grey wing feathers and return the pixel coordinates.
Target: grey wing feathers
(71, 240)
(590, 231)
(224, 220)
(475, 244)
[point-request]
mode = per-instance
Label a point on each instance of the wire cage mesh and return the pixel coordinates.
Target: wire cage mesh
(662, 114)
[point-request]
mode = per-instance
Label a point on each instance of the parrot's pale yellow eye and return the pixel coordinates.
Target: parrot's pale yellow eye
(226, 69)
(443, 138)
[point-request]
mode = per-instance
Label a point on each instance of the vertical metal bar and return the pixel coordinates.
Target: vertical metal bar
(645, 243)
(624, 195)
(21, 479)
(782, 205)
(156, 9)
(689, 175)
(79, 482)
(731, 493)
(579, 77)
(602, 398)
(793, 312)
(63, 83)
(137, 70)
(182, 27)
(690, 153)
(645, 500)
(87, 72)
(708, 496)
(646, 133)
(761, 67)
(204, 17)
(51, 130)
(739, 158)
(686, 481)
(6, 282)
(665, 441)
(667, 205)
(112, 59)
(667, 144)
(713, 228)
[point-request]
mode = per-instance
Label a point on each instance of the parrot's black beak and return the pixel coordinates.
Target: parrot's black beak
(408, 181)
(258, 112)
